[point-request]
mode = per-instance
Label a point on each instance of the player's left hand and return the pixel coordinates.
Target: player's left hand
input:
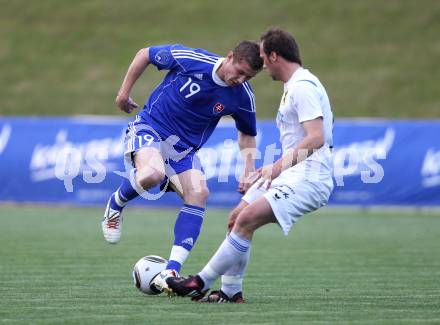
(267, 174)
(125, 103)
(246, 181)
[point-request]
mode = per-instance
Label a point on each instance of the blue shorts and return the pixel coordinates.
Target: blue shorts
(177, 156)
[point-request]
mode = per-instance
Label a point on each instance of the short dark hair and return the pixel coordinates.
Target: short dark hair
(250, 52)
(282, 43)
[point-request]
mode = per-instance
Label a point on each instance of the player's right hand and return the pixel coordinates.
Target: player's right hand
(126, 104)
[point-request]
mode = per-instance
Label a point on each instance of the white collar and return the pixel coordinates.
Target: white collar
(295, 76)
(215, 76)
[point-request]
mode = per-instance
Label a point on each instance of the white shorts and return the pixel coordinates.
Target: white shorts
(291, 195)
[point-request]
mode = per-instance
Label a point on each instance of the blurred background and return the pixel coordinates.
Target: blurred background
(376, 58)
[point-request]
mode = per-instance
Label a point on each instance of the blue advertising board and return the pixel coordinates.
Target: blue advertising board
(79, 160)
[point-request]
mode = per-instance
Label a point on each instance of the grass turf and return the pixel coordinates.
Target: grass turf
(335, 267)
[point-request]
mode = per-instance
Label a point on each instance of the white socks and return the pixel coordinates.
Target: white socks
(230, 253)
(232, 280)
(179, 254)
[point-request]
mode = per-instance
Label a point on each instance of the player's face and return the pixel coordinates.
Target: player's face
(268, 63)
(236, 73)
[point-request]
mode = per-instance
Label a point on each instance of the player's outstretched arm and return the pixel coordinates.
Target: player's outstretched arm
(137, 67)
(247, 145)
(313, 140)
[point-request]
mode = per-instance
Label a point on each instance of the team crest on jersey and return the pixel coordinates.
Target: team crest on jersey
(218, 108)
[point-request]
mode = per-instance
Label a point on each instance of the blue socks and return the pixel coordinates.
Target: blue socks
(124, 194)
(186, 232)
(186, 229)
(126, 191)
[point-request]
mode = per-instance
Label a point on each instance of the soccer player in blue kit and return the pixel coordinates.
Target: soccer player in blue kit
(176, 120)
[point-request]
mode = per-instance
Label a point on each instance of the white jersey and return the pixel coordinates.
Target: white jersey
(305, 99)
(304, 187)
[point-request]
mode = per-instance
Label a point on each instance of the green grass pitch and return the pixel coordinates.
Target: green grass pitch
(335, 267)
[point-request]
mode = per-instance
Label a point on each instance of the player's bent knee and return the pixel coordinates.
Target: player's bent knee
(235, 213)
(147, 179)
(196, 196)
(245, 219)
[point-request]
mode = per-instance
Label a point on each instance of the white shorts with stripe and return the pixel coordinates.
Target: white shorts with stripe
(292, 194)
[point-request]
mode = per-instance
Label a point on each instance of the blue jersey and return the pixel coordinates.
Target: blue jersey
(191, 99)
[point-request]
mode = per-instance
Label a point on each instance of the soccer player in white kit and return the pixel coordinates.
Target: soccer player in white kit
(298, 183)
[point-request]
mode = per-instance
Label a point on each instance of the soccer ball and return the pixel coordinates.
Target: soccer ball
(145, 270)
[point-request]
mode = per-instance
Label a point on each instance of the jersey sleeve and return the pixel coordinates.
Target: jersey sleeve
(306, 101)
(179, 57)
(162, 57)
(245, 117)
